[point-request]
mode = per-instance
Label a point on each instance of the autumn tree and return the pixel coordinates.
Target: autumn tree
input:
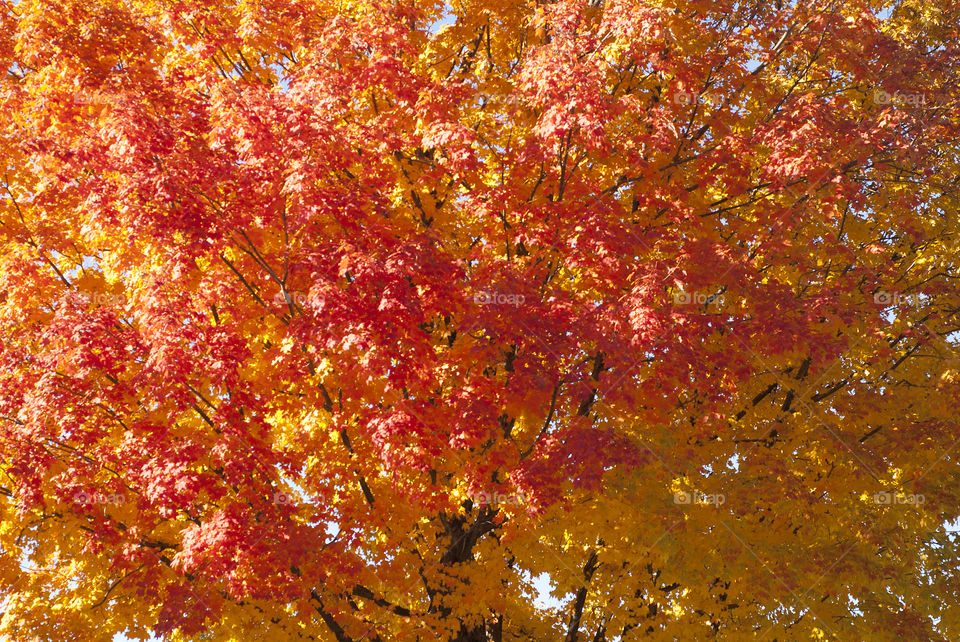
(368, 320)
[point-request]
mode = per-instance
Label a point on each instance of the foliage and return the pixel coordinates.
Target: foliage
(347, 321)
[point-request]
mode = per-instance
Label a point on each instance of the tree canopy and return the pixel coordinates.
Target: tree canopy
(368, 320)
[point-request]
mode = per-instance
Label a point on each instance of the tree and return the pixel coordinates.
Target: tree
(349, 321)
